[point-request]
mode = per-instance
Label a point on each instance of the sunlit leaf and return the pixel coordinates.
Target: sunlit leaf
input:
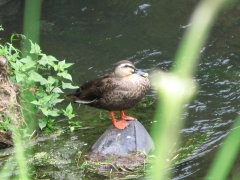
(44, 111)
(36, 103)
(35, 48)
(68, 86)
(62, 65)
(45, 99)
(42, 123)
(69, 108)
(55, 101)
(28, 62)
(19, 76)
(51, 80)
(67, 65)
(47, 60)
(37, 78)
(53, 113)
(57, 90)
(14, 57)
(65, 75)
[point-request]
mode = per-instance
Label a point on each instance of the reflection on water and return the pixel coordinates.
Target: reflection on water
(95, 35)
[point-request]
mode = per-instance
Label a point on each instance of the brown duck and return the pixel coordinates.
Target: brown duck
(117, 91)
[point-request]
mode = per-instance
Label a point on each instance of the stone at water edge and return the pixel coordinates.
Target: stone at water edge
(134, 138)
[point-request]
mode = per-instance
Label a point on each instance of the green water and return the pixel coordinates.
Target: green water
(94, 35)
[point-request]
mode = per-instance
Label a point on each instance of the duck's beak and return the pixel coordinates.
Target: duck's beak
(141, 73)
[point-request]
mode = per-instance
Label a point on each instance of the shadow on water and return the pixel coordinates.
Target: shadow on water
(95, 35)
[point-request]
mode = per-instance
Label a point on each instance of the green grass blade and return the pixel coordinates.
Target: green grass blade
(226, 155)
(20, 156)
(173, 89)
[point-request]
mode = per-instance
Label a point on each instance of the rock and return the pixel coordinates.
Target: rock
(134, 138)
(3, 61)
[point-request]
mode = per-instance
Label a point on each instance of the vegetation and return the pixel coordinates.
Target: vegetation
(47, 77)
(45, 88)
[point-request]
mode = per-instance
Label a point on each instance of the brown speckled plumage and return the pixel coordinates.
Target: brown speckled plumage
(111, 92)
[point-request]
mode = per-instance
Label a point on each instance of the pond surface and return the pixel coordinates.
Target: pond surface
(95, 35)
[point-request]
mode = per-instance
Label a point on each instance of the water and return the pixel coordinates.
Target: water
(95, 35)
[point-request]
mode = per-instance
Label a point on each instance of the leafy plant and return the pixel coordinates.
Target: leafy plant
(45, 75)
(4, 124)
(69, 113)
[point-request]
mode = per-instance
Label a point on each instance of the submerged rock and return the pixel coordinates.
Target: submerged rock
(134, 138)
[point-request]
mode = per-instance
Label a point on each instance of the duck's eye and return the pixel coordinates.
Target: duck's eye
(129, 66)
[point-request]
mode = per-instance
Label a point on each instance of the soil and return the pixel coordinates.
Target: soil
(10, 109)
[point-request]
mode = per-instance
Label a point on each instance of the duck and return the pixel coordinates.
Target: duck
(119, 90)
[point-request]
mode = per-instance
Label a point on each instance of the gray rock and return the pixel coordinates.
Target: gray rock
(134, 138)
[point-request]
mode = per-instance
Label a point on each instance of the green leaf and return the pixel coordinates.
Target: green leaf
(45, 99)
(68, 86)
(57, 90)
(72, 128)
(53, 113)
(67, 65)
(84, 165)
(40, 93)
(74, 123)
(16, 66)
(69, 111)
(62, 65)
(35, 48)
(54, 101)
(47, 60)
(69, 108)
(19, 76)
(51, 80)
(37, 78)
(28, 63)
(49, 112)
(44, 111)
(42, 123)
(14, 57)
(36, 103)
(65, 75)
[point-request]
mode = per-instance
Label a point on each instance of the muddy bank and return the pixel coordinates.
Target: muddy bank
(10, 110)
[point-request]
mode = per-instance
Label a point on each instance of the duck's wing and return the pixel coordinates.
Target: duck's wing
(93, 90)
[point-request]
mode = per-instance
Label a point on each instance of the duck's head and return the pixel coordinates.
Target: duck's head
(126, 68)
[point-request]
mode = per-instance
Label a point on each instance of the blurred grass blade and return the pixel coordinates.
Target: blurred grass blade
(173, 89)
(173, 92)
(195, 36)
(226, 154)
(20, 155)
(32, 13)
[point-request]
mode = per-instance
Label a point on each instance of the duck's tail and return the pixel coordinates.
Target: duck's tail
(77, 100)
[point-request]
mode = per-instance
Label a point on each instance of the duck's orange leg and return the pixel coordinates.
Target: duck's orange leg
(118, 124)
(123, 116)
